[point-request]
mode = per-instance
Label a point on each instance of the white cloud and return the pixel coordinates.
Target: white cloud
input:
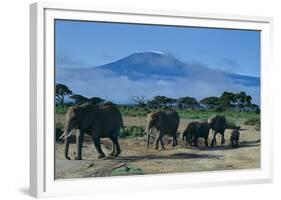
(120, 89)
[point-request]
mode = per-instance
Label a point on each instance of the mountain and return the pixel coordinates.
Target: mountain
(154, 64)
(152, 74)
(147, 64)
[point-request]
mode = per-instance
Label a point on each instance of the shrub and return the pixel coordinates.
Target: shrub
(126, 171)
(252, 121)
(231, 124)
(61, 110)
(59, 132)
(132, 131)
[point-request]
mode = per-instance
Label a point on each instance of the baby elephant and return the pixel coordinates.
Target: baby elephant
(195, 130)
(234, 138)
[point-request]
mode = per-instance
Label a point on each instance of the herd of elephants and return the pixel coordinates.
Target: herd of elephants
(105, 121)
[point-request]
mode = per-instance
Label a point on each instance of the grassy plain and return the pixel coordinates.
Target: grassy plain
(136, 160)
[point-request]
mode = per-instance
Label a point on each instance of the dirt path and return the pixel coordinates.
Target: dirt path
(178, 159)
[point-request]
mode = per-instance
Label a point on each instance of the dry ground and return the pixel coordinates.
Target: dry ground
(178, 159)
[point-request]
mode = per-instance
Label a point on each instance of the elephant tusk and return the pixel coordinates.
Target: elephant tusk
(66, 136)
(62, 136)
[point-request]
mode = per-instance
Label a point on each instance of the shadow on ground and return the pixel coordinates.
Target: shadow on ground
(243, 144)
(172, 156)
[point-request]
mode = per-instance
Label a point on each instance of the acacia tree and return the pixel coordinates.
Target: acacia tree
(227, 100)
(79, 99)
(169, 101)
(189, 102)
(243, 99)
(210, 102)
(61, 92)
(139, 100)
(96, 100)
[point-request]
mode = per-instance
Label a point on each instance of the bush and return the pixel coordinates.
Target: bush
(127, 171)
(59, 132)
(231, 124)
(61, 110)
(252, 121)
(132, 131)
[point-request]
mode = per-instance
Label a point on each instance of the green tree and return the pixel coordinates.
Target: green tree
(79, 99)
(242, 99)
(61, 92)
(160, 101)
(96, 100)
(187, 102)
(171, 102)
(210, 102)
(152, 104)
(227, 100)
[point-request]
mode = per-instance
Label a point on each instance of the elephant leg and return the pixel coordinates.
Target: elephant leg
(96, 141)
(66, 148)
(162, 143)
(222, 138)
(116, 151)
(117, 146)
(195, 142)
(156, 142)
(214, 139)
(113, 147)
(175, 142)
(79, 145)
(186, 141)
(206, 141)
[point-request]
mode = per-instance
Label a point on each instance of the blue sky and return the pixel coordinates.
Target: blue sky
(87, 44)
(83, 45)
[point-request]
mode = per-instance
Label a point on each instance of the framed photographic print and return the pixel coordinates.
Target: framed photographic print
(144, 99)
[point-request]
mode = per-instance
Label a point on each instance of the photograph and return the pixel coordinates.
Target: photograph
(143, 99)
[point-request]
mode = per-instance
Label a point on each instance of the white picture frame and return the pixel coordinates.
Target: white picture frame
(42, 182)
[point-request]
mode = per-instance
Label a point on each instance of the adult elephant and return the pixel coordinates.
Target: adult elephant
(194, 131)
(98, 121)
(165, 122)
(218, 125)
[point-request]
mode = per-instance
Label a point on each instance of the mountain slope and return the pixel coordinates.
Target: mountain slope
(152, 74)
(142, 65)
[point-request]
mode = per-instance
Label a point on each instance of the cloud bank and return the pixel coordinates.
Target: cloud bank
(120, 88)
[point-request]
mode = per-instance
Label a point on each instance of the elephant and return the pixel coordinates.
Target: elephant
(98, 121)
(234, 138)
(195, 130)
(218, 125)
(165, 122)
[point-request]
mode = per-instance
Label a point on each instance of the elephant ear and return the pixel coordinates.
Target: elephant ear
(155, 116)
(79, 112)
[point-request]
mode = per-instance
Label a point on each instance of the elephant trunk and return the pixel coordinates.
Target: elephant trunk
(148, 138)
